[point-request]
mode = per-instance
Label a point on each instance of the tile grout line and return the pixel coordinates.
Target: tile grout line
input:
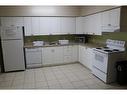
(56, 77)
(46, 78)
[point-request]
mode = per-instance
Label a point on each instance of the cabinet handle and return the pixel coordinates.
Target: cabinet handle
(109, 24)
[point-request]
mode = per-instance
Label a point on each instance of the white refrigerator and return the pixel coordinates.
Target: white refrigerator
(12, 48)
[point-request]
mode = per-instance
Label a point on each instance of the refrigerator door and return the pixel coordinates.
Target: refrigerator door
(11, 33)
(13, 55)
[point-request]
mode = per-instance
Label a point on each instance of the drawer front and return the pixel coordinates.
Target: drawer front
(67, 59)
(33, 49)
(99, 74)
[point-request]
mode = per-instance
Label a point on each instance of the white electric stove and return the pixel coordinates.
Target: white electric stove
(105, 58)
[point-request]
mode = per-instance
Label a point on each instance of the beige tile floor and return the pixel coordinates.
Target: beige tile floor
(71, 76)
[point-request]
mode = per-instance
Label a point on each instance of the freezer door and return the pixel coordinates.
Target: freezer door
(13, 55)
(11, 32)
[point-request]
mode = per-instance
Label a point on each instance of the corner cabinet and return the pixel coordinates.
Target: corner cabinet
(90, 25)
(85, 56)
(110, 20)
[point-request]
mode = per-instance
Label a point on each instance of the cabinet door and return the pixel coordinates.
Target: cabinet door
(45, 25)
(68, 25)
(79, 25)
(67, 53)
(28, 26)
(105, 18)
(6, 21)
(35, 25)
(89, 58)
(85, 25)
(95, 24)
(16, 21)
(115, 17)
(80, 54)
(58, 55)
(47, 56)
(54, 25)
(74, 53)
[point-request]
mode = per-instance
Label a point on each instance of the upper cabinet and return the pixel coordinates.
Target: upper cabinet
(79, 25)
(92, 24)
(68, 25)
(111, 20)
(35, 22)
(95, 24)
(28, 26)
(16, 21)
(49, 25)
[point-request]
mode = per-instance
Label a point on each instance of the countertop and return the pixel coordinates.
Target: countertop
(91, 45)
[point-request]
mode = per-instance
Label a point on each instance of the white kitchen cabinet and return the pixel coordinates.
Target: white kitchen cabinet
(35, 22)
(52, 55)
(86, 56)
(54, 25)
(75, 53)
(49, 25)
(79, 25)
(16, 21)
(95, 24)
(111, 20)
(86, 25)
(33, 57)
(68, 25)
(44, 26)
(28, 26)
(67, 54)
(92, 24)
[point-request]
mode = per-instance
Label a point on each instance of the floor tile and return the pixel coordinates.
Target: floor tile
(55, 86)
(41, 85)
(79, 84)
(66, 85)
(29, 85)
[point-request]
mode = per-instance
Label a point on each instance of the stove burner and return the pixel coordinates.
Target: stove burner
(108, 50)
(106, 47)
(98, 48)
(115, 50)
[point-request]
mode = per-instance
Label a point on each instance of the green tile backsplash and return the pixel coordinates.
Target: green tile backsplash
(49, 38)
(102, 38)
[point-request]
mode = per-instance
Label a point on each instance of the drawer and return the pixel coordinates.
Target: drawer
(33, 49)
(99, 74)
(67, 59)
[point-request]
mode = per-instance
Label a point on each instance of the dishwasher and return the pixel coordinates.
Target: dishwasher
(33, 57)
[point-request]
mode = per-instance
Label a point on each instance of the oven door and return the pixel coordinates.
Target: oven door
(100, 61)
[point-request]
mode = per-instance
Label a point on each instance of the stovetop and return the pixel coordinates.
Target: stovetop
(107, 50)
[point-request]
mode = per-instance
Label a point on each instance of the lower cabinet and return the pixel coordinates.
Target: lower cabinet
(52, 55)
(59, 55)
(33, 57)
(86, 56)
(45, 56)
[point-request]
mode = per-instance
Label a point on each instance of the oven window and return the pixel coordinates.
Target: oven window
(99, 57)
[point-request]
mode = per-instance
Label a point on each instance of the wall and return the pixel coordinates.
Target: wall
(49, 38)
(86, 10)
(102, 39)
(51, 10)
(39, 11)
